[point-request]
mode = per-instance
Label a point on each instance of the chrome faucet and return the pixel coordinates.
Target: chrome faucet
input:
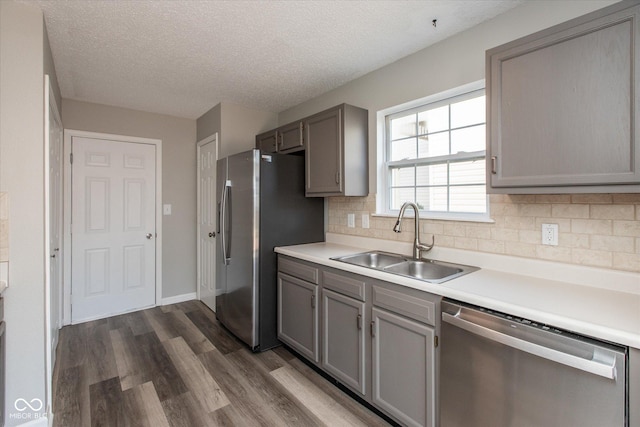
(417, 246)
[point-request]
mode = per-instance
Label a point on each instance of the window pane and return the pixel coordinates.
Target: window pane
(403, 127)
(468, 199)
(403, 149)
(467, 173)
(435, 120)
(432, 198)
(469, 112)
(431, 175)
(469, 139)
(403, 177)
(399, 196)
(433, 145)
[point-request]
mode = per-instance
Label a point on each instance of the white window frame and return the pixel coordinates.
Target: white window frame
(384, 169)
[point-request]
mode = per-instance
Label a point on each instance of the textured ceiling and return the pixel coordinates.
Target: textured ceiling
(183, 57)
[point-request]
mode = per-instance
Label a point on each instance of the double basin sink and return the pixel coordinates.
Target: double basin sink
(422, 269)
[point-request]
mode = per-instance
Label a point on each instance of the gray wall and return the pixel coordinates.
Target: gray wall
(50, 69)
(22, 176)
(453, 62)
(237, 126)
(178, 137)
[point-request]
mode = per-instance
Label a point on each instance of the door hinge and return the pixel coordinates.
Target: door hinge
(71, 156)
(435, 341)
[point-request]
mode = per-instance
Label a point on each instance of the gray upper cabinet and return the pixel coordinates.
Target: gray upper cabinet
(336, 152)
(267, 142)
(290, 137)
(285, 139)
(563, 107)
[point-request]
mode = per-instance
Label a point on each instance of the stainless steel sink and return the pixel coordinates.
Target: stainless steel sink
(426, 270)
(376, 259)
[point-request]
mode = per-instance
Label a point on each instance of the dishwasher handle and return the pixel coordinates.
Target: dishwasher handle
(595, 367)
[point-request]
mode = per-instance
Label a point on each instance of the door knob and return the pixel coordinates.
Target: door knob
(212, 234)
(149, 236)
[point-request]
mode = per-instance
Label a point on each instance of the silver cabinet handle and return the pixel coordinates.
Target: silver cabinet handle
(313, 301)
(494, 165)
(594, 367)
(359, 321)
(223, 220)
(149, 236)
(373, 328)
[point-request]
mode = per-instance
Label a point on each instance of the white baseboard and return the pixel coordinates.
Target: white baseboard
(179, 298)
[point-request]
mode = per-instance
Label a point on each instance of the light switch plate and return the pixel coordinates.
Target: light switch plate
(365, 220)
(351, 220)
(166, 209)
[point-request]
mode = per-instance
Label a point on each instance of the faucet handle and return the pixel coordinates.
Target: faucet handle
(426, 248)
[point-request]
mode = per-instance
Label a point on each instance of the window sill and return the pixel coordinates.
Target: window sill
(457, 218)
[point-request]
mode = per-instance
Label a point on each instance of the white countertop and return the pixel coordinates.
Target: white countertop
(603, 312)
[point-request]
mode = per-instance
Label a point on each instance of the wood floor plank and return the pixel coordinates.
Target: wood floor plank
(362, 412)
(107, 405)
(229, 417)
(145, 399)
(189, 332)
(251, 404)
(216, 333)
(271, 391)
(284, 354)
(184, 411)
(100, 362)
(161, 324)
(73, 343)
(203, 387)
(318, 402)
(125, 358)
(71, 400)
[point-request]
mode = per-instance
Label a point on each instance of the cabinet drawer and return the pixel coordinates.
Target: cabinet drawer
(344, 285)
(407, 305)
(298, 269)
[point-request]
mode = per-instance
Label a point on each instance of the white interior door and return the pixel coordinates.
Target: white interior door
(55, 224)
(113, 229)
(207, 213)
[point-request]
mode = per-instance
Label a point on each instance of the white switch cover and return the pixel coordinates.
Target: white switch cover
(550, 234)
(365, 220)
(351, 220)
(166, 209)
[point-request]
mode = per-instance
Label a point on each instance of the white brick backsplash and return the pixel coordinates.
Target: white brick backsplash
(600, 230)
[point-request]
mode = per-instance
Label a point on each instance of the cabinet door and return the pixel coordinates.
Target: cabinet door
(343, 339)
(403, 368)
(323, 136)
(563, 105)
(298, 315)
(290, 137)
(267, 142)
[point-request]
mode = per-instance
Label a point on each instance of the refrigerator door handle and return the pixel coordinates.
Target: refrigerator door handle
(223, 209)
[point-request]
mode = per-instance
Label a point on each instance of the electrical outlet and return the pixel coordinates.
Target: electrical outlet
(365, 220)
(351, 220)
(550, 234)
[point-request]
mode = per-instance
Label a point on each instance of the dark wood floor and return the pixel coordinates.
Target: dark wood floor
(177, 366)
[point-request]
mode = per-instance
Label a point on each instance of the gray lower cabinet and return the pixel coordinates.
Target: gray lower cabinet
(343, 338)
(563, 107)
(377, 338)
(403, 368)
(298, 315)
(336, 152)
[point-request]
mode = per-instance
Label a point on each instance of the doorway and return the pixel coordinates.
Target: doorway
(207, 152)
(114, 221)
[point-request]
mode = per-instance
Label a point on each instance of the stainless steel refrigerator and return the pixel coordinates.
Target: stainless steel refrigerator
(261, 205)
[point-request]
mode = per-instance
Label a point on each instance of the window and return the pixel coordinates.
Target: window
(435, 157)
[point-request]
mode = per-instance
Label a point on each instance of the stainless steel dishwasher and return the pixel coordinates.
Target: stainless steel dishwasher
(499, 370)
